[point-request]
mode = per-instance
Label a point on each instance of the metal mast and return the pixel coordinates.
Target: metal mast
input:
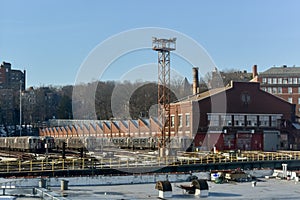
(164, 47)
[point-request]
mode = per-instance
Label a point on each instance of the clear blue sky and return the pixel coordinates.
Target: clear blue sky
(50, 39)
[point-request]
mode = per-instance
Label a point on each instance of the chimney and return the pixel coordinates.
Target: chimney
(254, 71)
(195, 81)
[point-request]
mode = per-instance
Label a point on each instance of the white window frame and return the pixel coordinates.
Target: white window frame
(172, 120)
(187, 119)
(179, 120)
(295, 80)
(269, 80)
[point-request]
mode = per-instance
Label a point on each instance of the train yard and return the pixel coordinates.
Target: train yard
(114, 160)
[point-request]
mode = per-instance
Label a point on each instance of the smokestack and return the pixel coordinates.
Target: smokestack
(254, 71)
(195, 80)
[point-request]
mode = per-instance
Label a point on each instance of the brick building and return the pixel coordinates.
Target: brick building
(10, 78)
(11, 81)
(250, 118)
(247, 118)
(283, 82)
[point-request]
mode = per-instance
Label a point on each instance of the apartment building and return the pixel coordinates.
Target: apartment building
(283, 82)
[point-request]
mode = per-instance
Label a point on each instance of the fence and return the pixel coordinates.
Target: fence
(139, 161)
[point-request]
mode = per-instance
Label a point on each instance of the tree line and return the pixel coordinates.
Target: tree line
(111, 100)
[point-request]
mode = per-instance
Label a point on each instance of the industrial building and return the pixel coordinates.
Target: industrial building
(244, 117)
(252, 119)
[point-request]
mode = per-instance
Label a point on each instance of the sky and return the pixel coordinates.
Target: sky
(51, 39)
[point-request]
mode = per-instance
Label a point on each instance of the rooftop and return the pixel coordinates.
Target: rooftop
(283, 70)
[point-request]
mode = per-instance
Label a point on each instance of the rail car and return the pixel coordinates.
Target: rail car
(74, 143)
(90, 143)
(180, 143)
(143, 142)
(24, 143)
(48, 142)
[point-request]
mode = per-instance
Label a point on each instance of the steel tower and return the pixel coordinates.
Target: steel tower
(164, 47)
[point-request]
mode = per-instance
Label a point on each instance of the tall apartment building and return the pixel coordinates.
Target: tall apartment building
(10, 78)
(283, 82)
(10, 82)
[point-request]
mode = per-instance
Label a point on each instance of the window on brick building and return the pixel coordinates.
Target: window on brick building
(290, 80)
(226, 120)
(279, 90)
(263, 120)
(284, 81)
(298, 100)
(290, 90)
(295, 80)
(269, 80)
(279, 80)
(239, 120)
(251, 120)
(298, 89)
(290, 99)
(274, 80)
(172, 121)
(274, 90)
(187, 120)
(264, 80)
(269, 89)
(180, 120)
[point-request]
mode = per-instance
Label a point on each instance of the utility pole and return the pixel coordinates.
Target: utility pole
(20, 108)
(164, 47)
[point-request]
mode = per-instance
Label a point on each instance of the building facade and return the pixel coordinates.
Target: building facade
(239, 116)
(283, 82)
(11, 78)
(11, 82)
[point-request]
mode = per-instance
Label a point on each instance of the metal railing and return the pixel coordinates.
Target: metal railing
(116, 162)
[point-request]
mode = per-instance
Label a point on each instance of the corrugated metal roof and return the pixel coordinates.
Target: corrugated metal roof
(135, 122)
(125, 123)
(145, 121)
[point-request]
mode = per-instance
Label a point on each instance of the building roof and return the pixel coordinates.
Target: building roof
(206, 94)
(282, 71)
(212, 92)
